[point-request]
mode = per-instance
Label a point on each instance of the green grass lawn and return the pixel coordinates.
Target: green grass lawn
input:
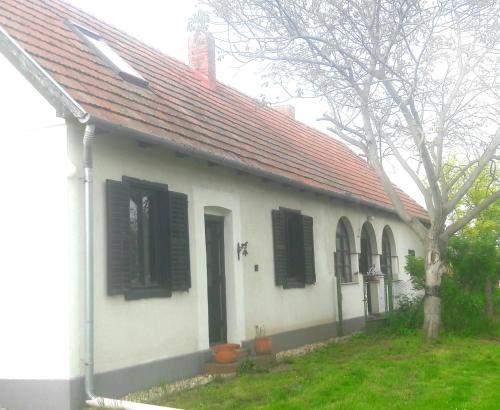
(365, 372)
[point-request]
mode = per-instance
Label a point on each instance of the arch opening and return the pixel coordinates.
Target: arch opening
(344, 242)
(388, 257)
(368, 249)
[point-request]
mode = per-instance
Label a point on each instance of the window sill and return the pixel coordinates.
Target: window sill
(349, 283)
(147, 293)
(294, 284)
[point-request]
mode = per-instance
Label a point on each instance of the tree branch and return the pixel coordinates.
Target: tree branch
(485, 158)
(472, 214)
(418, 137)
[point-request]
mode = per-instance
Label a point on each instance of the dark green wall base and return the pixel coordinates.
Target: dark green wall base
(374, 325)
(301, 337)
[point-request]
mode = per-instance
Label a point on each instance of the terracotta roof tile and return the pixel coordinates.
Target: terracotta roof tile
(178, 107)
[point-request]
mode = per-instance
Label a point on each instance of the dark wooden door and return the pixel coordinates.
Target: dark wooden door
(216, 281)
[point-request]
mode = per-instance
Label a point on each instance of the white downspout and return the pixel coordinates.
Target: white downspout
(88, 138)
(92, 399)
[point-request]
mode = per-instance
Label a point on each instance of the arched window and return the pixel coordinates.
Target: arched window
(343, 254)
(386, 257)
(365, 256)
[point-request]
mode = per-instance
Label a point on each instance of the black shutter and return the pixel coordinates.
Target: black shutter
(280, 253)
(309, 270)
(162, 238)
(117, 207)
(180, 274)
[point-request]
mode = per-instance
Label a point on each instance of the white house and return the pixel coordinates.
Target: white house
(150, 211)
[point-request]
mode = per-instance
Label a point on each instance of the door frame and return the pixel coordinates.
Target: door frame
(227, 204)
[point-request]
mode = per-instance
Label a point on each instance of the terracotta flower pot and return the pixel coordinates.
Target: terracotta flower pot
(263, 345)
(225, 346)
(225, 356)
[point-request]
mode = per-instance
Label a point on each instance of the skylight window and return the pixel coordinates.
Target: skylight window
(99, 45)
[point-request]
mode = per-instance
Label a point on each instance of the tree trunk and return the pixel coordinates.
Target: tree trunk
(434, 269)
(432, 317)
(488, 297)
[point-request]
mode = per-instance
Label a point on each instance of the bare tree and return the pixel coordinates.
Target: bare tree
(414, 80)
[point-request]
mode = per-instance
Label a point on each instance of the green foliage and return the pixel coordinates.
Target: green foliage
(474, 252)
(290, 360)
(474, 255)
(463, 311)
(246, 366)
(415, 266)
(408, 317)
(489, 219)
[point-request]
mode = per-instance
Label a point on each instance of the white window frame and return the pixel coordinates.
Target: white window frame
(109, 55)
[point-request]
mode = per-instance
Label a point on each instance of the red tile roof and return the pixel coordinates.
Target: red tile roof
(179, 108)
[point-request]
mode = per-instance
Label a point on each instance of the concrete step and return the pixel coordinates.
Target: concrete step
(242, 354)
(263, 361)
(221, 368)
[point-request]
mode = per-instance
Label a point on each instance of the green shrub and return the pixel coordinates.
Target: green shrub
(415, 266)
(408, 317)
(462, 299)
(246, 366)
(463, 311)
(474, 257)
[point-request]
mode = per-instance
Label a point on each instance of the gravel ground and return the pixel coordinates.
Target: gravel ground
(302, 350)
(164, 389)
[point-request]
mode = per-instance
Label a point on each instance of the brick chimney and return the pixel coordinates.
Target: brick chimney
(202, 58)
(288, 110)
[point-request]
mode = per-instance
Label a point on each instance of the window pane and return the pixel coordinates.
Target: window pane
(295, 246)
(135, 273)
(343, 253)
(386, 255)
(141, 239)
(110, 54)
(339, 243)
(114, 58)
(348, 267)
(146, 240)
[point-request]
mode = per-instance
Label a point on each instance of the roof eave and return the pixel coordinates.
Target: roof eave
(41, 80)
(238, 166)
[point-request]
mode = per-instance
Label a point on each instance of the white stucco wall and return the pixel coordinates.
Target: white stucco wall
(133, 332)
(34, 280)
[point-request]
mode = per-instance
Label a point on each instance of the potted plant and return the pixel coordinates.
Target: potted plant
(263, 344)
(225, 353)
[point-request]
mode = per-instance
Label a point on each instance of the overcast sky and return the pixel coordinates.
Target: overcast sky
(163, 25)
